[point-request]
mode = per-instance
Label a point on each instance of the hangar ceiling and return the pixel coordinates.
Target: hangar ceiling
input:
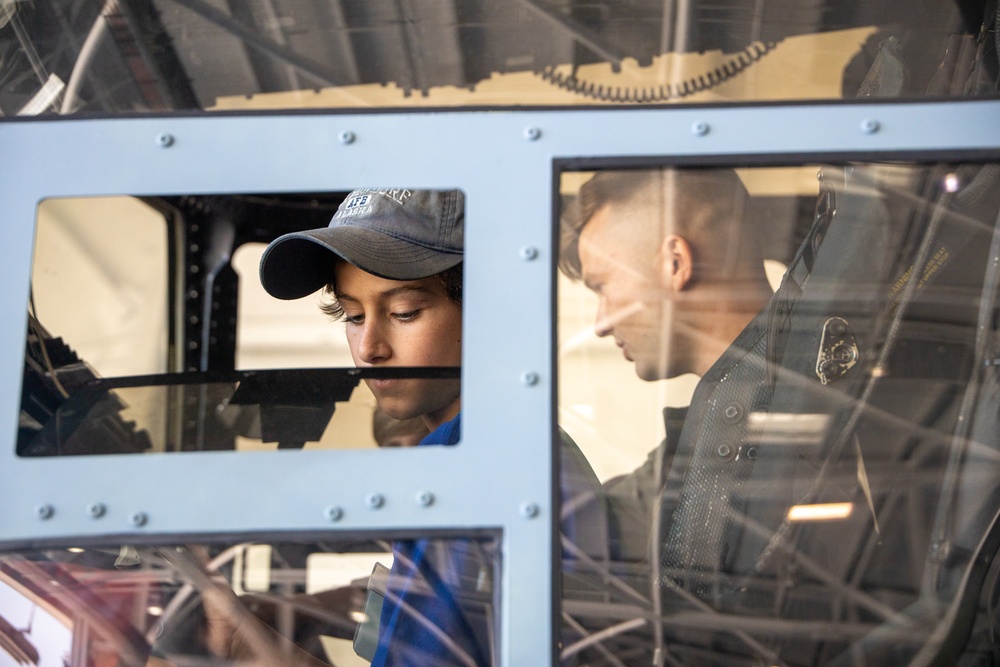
(121, 56)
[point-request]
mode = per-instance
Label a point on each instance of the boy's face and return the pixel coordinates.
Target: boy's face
(403, 323)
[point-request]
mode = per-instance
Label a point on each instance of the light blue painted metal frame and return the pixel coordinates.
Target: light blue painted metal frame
(503, 160)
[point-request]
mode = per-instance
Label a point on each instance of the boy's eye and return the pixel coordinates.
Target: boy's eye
(354, 319)
(406, 316)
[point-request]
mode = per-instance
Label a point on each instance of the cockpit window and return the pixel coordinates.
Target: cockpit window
(151, 291)
(786, 381)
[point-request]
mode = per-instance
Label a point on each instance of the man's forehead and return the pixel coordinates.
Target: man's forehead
(621, 228)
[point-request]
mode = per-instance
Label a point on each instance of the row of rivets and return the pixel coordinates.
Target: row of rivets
(530, 254)
(94, 510)
(531, 133)
(423, 498)
(332, 513)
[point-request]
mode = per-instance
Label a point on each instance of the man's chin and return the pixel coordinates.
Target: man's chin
(650, 372)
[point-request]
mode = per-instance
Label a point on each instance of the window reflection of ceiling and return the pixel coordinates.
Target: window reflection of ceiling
(135, 55)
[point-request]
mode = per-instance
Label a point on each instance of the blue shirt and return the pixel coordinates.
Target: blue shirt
(422, 622)
(438, 607)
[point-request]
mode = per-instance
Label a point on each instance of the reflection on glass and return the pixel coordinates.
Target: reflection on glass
(826, 492)
(286, 603)
(191, 54)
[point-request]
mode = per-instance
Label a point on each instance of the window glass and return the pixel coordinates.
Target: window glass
(785, 380)
(355, 342)
(282, 334)
(191, 54)
(108, 304)
(270, 602)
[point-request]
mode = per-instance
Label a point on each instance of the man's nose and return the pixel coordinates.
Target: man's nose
(603, 325)
(372, 344)
(608, 316)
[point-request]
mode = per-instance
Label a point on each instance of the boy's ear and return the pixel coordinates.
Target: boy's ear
(676, 263)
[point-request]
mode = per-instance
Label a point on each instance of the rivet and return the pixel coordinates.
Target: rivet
(333, 513)
(529, 253)
(374, 500)
(700, 128)
(529, 510)
(724, 450)
(44, 511)
(529, 378)
(425, 498)
(96, 510)
(346, 137)
(164, 140)
(870, 126)
(751, 453)
(138, 518)
(532, 133)
(733, 412)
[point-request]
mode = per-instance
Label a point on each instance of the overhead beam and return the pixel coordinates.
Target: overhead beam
(581, 34)
(252, 39)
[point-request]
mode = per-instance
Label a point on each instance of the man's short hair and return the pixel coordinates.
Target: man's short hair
(710, 203)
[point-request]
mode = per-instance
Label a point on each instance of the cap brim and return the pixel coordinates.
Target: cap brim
(297, 264)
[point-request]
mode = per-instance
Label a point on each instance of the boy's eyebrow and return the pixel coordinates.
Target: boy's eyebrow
(402, 289)
(389, 293)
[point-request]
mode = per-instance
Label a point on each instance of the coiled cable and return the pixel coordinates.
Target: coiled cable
(663, 92)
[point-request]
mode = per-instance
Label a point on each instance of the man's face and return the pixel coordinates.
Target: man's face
(403, 323)
(621, 263)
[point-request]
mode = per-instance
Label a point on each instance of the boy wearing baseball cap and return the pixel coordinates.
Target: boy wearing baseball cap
(391, 260)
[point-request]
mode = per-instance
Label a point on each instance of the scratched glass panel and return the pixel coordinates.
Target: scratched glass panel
(275, 602)
(815, 350)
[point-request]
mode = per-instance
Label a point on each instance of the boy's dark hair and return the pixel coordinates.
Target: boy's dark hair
(450, 278)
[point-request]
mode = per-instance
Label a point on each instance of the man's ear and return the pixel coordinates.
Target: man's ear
(676, 263)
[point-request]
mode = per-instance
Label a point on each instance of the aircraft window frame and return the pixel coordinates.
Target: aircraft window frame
(47, 501)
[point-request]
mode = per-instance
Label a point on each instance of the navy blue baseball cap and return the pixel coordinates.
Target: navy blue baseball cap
(394, 234)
